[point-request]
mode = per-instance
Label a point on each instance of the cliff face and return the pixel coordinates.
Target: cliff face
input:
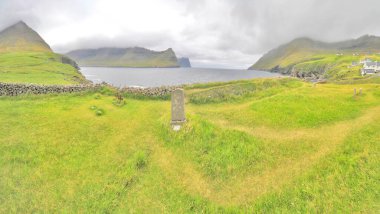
(20, 37)
(184, 62)
(69, 61)
(124, 57)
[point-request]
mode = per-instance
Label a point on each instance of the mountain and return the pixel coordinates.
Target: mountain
(307, 57)
(184, 62)
(125, 57)
(20, 37)
(26, 58)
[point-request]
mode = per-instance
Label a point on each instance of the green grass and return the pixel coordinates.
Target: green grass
(217, 152)
(285, 148)
(240, 90)
(346, 181)
(38, 68)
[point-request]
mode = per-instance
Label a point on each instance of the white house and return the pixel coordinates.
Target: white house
(370, 67)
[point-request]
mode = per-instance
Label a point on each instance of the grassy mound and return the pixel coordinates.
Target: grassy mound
(296, 149)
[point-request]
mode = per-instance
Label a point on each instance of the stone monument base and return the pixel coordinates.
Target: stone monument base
(176, 125)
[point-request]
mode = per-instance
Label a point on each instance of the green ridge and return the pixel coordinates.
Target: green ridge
(305, 57)
(125, 57)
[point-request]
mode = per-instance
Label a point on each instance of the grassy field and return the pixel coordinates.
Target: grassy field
(37, 67)
(262, 146)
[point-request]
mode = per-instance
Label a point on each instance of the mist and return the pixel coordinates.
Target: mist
(214, 33)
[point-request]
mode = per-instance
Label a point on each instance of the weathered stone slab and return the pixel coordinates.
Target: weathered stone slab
(178, 107)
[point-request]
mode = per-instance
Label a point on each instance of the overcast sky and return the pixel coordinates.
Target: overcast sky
(213, 33)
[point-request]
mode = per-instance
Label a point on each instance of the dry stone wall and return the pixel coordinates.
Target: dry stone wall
(150, 92)
(10, 89)
(16, 89)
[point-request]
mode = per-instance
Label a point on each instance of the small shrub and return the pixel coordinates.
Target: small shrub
(119, 100)
(141, 160)
(99, 112)
(97, 96)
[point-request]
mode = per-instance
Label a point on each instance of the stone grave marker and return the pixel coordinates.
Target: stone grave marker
(178, 109)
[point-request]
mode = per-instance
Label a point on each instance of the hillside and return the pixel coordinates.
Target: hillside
(257, 146)
(124, 57)
(26, 58)
(305, 57)
(20, 37)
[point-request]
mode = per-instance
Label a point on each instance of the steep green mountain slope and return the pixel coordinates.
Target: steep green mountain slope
(124, 57)
(305, 57)
(26, 58)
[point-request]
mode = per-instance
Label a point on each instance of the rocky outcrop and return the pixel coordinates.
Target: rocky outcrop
(184, 62)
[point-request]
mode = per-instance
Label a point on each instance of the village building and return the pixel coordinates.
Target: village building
(371, 67)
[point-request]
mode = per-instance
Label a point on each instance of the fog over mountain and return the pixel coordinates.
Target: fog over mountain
(212, 33)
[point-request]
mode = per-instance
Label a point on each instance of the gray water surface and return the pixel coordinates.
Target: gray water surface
(152, 77)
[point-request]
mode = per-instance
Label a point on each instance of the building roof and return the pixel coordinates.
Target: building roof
(371, 64)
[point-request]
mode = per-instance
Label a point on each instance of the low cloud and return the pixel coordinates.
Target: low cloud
(228, 33)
